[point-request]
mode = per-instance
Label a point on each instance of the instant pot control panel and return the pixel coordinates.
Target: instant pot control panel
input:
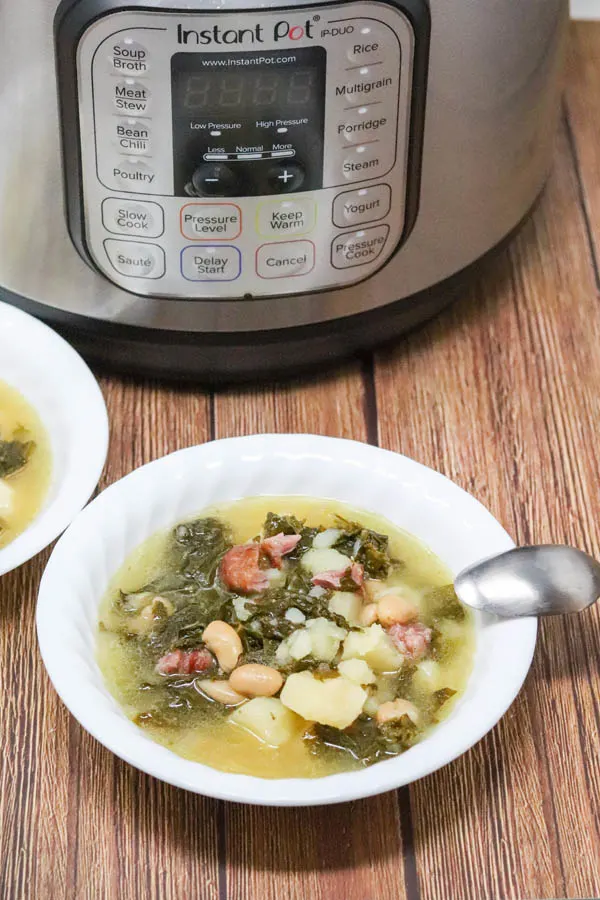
(226, 154)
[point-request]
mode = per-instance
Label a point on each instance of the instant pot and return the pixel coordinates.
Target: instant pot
(226, 188)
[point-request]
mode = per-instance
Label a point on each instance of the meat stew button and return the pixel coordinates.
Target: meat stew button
(358, 248)
(285, 259)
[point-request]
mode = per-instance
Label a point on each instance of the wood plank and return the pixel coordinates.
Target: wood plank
(501, 393)
(351, 851)
(583, 109)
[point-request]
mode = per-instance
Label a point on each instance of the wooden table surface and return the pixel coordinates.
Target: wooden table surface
(501, 393)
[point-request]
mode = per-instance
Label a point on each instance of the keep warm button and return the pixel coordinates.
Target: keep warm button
(283, 218)
(358, 248)
(285, 259)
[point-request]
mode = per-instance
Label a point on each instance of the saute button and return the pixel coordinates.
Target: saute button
(279, 218)
(129, 57)
(131, 97)
(211, 221)
(358, 248)
(287, 259)
(363, 205)
(133, 175)
(136, 259)
(218, 263)
(132, 217)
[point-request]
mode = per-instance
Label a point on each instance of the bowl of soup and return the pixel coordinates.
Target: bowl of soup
(53, 436)
(271, 619)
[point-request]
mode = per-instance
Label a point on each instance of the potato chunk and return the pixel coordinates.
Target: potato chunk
(330, 560)
(348, 605)
(319, 638)
(375, 647)
(356, 670)
(267, 719)
(334, 701)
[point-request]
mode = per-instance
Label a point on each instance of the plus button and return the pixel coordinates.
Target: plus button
(283, 178)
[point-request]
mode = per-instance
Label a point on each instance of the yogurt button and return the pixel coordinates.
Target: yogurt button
(135, 260)
(362, 205)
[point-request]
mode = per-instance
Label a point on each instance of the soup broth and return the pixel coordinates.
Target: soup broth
(354, 617)
(25, 464)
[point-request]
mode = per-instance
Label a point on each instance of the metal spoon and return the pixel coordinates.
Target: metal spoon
(531, 581)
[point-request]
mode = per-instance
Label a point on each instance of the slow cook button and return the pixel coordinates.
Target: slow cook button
(278, 218)
(132, 136)
(135, 259)
(211, 221)
(131, 96)
(358, 248)
(287, 259)
(219, 263)
(132, 217)
(362, 205)
(128, 57)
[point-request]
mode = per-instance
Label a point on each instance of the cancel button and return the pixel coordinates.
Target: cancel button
(285, 259)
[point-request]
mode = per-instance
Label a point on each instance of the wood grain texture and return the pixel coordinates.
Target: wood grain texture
(502, 393)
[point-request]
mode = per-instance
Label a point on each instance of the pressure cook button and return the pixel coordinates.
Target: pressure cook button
(135, 259)
(132, 136)
(133, 175)
(284, 178)
(366, 204)
(215, 179)
(287, 259)
(279, 218)
(131, 97)
(211, 221)
(217, 263)
(129, 58)
(132, 217)
(358, 248)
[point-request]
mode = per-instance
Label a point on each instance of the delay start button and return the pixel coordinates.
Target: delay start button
(135, 259)
(358, 248)
(221, 262)
(285, 259)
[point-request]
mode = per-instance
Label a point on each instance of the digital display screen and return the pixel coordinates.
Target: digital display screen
(248, 111)
(262, 90)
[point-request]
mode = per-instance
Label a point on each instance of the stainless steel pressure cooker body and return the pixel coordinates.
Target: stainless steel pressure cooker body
(226, 188)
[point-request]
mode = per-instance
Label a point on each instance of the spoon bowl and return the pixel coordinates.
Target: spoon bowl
(548, 580)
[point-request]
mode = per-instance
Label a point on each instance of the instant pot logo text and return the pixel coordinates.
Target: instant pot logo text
(282, 31)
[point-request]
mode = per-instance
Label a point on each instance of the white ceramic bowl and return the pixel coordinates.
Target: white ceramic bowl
(456, 527)
(57, 383)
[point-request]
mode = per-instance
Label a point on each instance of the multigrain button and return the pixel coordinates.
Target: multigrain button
(135, 259)
(358, 248)
(127, 57)
(132, 136)
(221, 262)
(365, 84)
(131, 97)
(133, 175)
(278, 218)
(287, 259)
(132, 217)
(211, 221)
(366, 204)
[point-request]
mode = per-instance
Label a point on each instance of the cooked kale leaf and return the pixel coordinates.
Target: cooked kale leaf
(14, 455)
(442, 603)
(364, 740)
(276, 524)
(369, 548)
(197, 548)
